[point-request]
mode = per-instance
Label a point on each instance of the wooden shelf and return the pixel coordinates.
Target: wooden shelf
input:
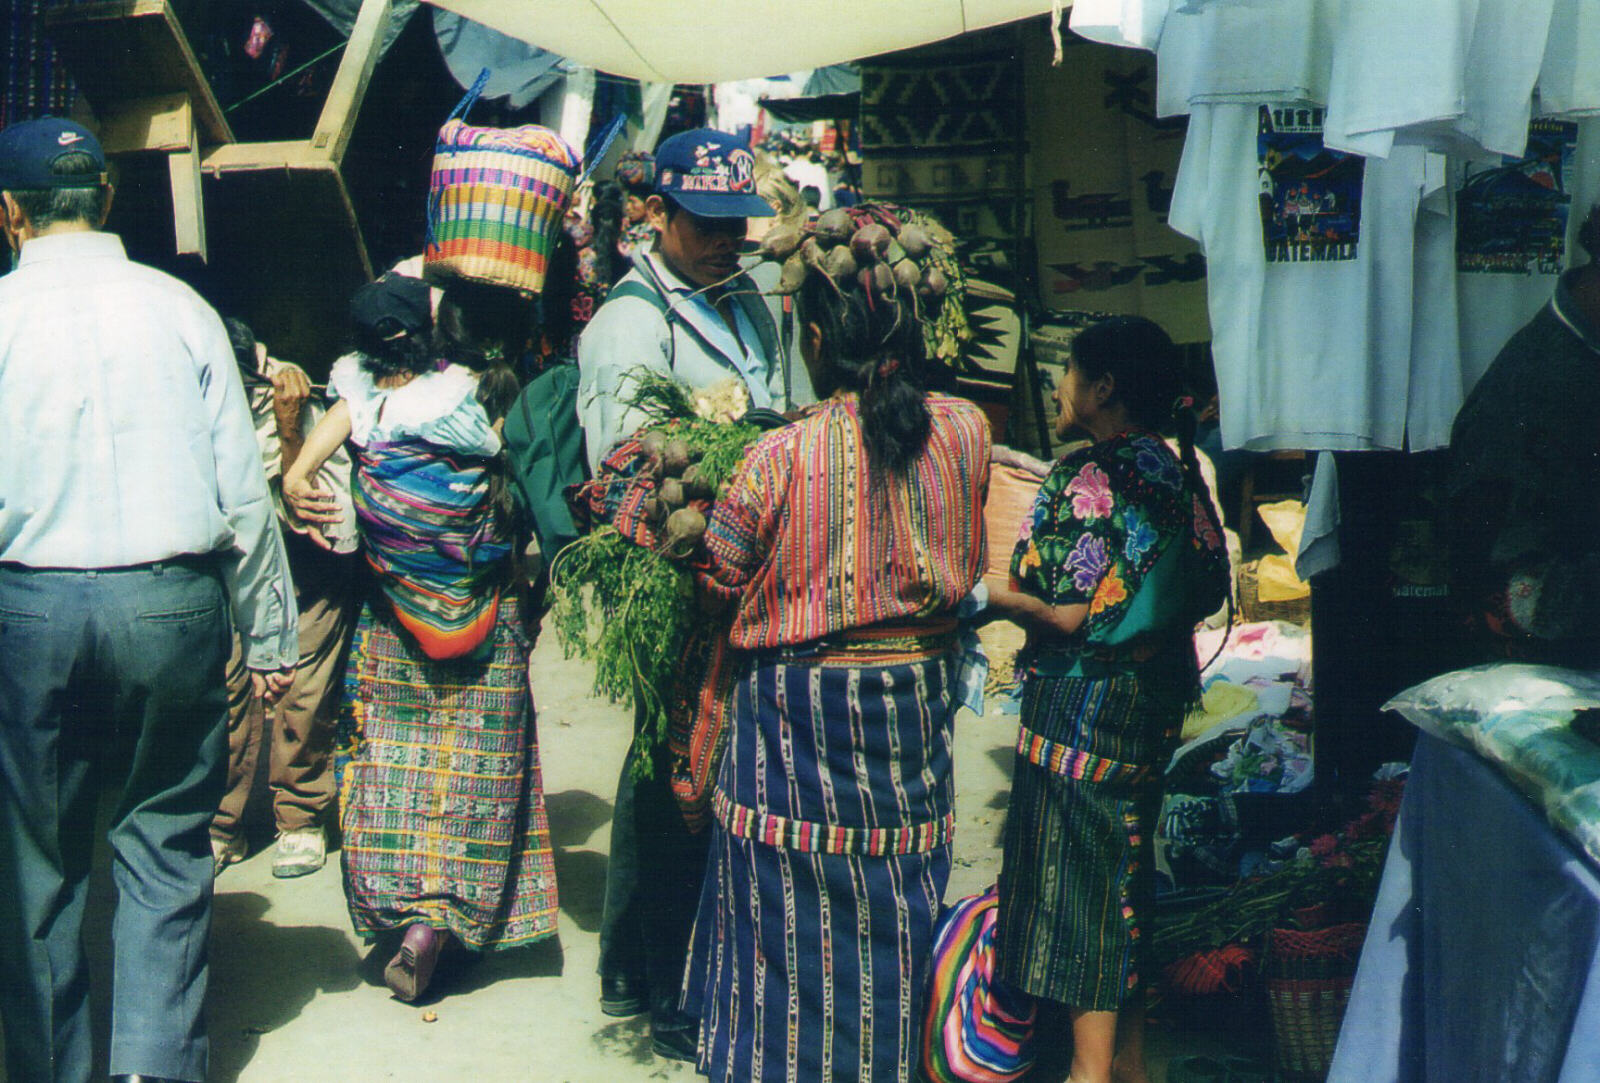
(123, 50)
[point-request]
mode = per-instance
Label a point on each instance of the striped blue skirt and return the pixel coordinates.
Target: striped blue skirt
(829, 856)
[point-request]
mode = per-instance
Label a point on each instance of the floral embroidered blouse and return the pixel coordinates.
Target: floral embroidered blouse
(1110, 521)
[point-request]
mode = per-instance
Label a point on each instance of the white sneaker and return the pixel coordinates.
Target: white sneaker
(299, 853)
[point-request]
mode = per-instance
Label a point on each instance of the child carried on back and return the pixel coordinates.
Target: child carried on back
(424, 488)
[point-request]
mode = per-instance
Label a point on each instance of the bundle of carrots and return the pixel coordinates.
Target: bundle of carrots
(622, 598)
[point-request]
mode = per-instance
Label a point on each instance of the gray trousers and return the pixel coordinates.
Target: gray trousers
(109, 678)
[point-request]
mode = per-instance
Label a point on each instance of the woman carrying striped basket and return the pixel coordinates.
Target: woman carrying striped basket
(1120, 558)
(446, 836)
(843, 546)
(442, 809)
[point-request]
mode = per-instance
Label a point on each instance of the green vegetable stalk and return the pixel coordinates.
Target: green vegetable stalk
(627, 608)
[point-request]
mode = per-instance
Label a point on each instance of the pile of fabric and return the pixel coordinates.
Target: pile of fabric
(1250, 734)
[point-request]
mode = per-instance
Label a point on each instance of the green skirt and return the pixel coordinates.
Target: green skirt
(1076, 882)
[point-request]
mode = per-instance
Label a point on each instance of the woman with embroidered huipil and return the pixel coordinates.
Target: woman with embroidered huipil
(843, 546)
(1122, 555)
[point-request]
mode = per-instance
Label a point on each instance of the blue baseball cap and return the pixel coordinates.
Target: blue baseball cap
(29, 150)
(711, 174)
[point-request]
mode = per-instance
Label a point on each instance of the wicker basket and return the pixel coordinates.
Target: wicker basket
(1012, 491)
(1309, 975)
(496, 202)
(1252, 608)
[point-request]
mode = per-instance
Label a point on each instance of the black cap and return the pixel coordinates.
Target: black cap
(393, 306)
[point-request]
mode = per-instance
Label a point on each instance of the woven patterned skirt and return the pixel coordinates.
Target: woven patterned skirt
(1076, 882)
(829, 856)
(442, 804)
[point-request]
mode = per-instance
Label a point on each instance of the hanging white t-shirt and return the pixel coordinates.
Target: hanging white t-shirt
(1309, 258)
(1244, 52)
(1569, 77)
(1436, 389)
(1134, 24)
(1442, 73)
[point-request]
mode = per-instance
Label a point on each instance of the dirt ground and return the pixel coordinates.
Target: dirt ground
(296, 997)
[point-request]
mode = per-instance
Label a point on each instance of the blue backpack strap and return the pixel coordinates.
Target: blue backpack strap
(645, 292)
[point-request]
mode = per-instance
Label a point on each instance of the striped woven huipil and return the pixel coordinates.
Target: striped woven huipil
(806, 547)
(830, 847)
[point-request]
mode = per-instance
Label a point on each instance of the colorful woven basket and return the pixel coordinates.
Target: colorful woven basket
(977, 1029)
(496, 203)
(1309, 976)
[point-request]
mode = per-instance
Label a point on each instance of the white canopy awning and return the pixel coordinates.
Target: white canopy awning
(709, 41)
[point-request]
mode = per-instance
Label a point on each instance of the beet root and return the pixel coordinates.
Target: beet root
(780, 243)
(671, 494)
(793, 275)
(834, 227)
(915, 241)
(694, 484)
(839, 264)
(870, 243)
(683, 533)
(676, 457)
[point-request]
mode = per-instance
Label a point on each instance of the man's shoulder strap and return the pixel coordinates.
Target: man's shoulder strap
(632, 287)
(646, 290)
(748, 295)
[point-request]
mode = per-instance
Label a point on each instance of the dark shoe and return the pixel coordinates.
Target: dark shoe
(409, 972)
(679, 1043)
(621, 995)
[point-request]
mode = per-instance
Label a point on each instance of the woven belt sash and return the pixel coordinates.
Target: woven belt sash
(1074, 762)
(809, 837)
(888, 644)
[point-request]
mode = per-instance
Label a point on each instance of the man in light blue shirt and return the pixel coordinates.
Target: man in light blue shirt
(134, 515)
(686, 309)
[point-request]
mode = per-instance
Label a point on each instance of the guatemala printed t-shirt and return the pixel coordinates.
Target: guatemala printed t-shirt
(1310, 277)
(1517, 222)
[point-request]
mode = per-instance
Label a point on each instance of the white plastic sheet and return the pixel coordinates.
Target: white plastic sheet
(706, 41)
